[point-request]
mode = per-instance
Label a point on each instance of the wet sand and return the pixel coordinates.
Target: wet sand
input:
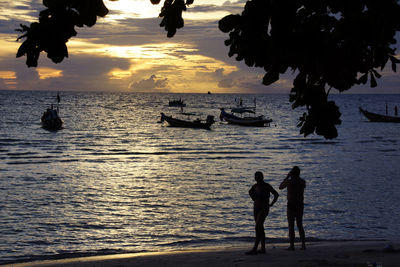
(324, 253)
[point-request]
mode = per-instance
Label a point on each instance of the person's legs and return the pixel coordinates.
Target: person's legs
(259, 218)
(260, 230)
(291, 218)
(299, 222)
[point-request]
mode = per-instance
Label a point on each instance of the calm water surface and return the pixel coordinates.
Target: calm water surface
(114, 180)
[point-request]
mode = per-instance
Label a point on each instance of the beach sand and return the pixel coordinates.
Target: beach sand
(321, 253)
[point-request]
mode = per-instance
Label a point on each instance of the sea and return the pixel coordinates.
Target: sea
(116, 180)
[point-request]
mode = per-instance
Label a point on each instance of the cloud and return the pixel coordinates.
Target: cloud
(150, 84)
(251, 82)
(123, 52)
(226, 83)
(219, 72)
(228, 7)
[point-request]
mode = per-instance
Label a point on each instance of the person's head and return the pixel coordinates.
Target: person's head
(295, 172)
(259, 177)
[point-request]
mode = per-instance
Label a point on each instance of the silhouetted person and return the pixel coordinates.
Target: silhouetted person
(260, 194)
(386, 109)
(295, 204)
(395, 110)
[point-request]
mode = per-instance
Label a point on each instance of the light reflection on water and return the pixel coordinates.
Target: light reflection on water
(115, 180)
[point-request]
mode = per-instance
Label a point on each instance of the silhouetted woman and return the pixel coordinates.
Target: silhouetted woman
(260, 194)
(295, 204)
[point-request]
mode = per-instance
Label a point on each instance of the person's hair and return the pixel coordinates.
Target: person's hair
(296, 171)
(259, 176)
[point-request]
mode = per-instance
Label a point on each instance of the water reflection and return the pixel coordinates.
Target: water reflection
(114, 178)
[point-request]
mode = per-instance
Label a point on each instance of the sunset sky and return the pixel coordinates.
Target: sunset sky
(128, 51)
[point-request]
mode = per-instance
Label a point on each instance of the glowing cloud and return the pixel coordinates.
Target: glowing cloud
(150, 84)
(46, 73)
(6, 75)
(8, 79)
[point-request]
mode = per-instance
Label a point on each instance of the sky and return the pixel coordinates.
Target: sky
(127, 51)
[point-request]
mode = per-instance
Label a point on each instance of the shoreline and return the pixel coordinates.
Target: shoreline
(320, 253)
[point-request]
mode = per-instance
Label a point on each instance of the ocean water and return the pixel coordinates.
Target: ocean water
(114, 180)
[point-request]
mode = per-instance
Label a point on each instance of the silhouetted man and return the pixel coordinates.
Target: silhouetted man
(295, 204)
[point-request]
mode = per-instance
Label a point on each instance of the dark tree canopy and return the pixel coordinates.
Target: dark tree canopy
(325, 43)
(328, 44)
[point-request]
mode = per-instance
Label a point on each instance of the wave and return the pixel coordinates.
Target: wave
(27, 162)
(66, 255)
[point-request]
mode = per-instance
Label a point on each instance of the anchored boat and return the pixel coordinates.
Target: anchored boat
(197, 123)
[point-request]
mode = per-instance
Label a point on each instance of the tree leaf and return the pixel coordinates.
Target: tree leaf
(377, 75)
(373, 80)
(270, 77)
(364, 78)
(228, 23)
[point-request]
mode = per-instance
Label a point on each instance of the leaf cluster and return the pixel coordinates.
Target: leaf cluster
(329, 44)
(56, 26)
(171, 14)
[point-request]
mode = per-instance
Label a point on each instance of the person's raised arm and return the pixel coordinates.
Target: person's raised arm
(284, 182)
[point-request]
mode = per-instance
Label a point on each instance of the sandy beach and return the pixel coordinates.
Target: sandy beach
(332, 253)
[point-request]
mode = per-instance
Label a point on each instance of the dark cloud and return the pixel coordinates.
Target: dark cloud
(219, 72)
(226, 83)
(231, 7)
(150, 84)
(79, 73)
(28, 12)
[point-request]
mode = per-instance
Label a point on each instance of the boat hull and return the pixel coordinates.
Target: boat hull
(374, 117)
(186, 124)
(51, 121)
(53, 125)
(246, 121)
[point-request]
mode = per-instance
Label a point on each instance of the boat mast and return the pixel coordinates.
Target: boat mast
(58, 103)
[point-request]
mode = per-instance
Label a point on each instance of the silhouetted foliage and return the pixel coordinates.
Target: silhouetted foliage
(56, 25)
(326, 43)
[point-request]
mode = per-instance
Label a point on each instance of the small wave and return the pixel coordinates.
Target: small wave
(21, 153)
(68, 160)
(334, 211)
(204, 242)
(38, 242)
(387, 150)
(210, 158)
(27, 162)
(32, 157)
(365, 141)
(9, 140)
(66, 255)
